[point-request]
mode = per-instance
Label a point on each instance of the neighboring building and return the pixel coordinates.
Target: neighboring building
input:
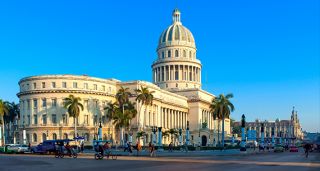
(178, 98)
(287, 129)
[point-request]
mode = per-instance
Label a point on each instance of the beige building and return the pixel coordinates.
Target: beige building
(178, 98)
(286, 129)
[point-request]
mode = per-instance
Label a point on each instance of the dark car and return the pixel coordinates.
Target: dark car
(46, 146)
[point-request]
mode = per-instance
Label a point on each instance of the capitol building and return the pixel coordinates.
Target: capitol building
(179, 101)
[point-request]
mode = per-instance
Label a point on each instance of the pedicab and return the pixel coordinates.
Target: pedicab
(100, 152)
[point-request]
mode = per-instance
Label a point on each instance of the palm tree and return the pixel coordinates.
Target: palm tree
(221, 108)
(3, 111)
(145, 97)
(172, 132)
(73, 105)
(123, 95)
(140, 134)
(10, 118)
(121, 117)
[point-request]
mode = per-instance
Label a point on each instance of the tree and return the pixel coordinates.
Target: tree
(222, 107)
(172, 132)
(140, 134)
(122, 111)
(10, 118)
(3, 111)
(123, 95)
(73, 105)
(144, 97)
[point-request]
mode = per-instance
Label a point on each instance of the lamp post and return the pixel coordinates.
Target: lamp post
(24, 134)
(262, 134)
(159, 138)
(154, 136)
(187, 134)
(100, 130)
(180, 136)
(243, 137)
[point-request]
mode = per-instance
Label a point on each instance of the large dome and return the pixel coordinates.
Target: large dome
(176, 33)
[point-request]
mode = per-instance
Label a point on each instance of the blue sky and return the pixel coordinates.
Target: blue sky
(265, 52)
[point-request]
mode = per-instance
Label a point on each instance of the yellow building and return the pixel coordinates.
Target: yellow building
(178, 98)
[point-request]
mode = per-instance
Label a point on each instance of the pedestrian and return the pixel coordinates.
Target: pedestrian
(82, 146)
(151, 149)
(130, 147)
(186, 146)
(29, 146)
(138, 146)
(126, 147)
(170, 147)
(307, 147)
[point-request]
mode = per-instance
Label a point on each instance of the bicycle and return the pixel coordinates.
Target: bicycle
(100, 156)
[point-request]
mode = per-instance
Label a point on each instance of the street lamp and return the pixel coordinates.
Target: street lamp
(154, 130)
(180, 136)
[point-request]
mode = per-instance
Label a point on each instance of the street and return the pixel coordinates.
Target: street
(262, 161)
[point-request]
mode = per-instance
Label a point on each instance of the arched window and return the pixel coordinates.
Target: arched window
(194, 55)
(44, 136)
(35, 138)
(54, 136)
(169, 54)
(190, 55)
(184, 53)
(65, 136)
(105, 137)
(162, 54)
(86, 137)
(176, 53)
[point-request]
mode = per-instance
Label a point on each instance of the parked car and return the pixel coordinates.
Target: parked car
(46, 146)
(278, 148)
(294, 148)
(7, 148)
(18, 148)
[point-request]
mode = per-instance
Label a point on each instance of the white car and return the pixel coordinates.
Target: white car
(18, 148)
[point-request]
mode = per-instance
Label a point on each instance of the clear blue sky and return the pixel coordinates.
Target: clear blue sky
(265, 52)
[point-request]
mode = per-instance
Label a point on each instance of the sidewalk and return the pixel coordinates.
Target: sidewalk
(179, 153)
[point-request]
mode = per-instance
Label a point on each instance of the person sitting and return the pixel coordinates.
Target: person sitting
(68, 148)
(106, 148)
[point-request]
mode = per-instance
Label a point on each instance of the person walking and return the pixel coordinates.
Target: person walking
(307, 147)
(170, 147)
(138, 146)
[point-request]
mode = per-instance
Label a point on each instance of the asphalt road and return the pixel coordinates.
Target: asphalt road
(263, 161)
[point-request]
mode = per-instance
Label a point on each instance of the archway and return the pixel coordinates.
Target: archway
(204, 140)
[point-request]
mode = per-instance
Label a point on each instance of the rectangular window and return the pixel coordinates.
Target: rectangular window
(34, 85)
(54, 102)
(28, 86)
(54, 119)
(86, 119)
(95, 87)
(86, 104)
(28, 104)
(35, 103)
(44, 102)
(53, 84)
(43, 85)
(29, 120)
(44, 119)
(97, 104)
(75, 85)
(103, 88)
(64, 119)
(64, 84)
(85, 85)
(95, 120)
(35, 119)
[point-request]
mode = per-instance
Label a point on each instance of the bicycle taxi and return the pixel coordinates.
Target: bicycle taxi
(103, 149)
(63, 147)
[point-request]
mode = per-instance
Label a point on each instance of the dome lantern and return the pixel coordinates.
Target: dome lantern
(176, 16)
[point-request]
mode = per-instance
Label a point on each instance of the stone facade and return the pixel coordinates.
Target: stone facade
(287, 129)
(178, 98)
